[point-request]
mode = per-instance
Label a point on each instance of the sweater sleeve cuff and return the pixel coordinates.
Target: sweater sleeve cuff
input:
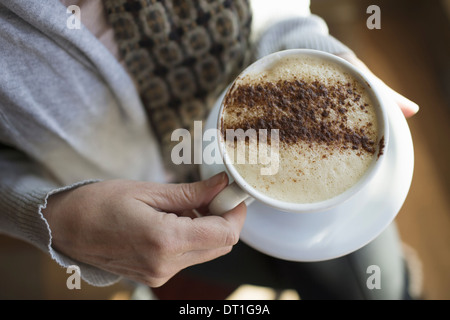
(304, 32)
(27, 222)
(92, 275)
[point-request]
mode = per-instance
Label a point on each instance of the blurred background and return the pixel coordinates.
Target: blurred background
(411, 53)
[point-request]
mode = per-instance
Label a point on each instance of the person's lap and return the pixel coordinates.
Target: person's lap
(353, 276)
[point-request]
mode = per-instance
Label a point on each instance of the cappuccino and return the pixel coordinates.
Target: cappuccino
(326, 123)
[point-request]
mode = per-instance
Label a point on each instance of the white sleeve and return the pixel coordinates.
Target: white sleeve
(268, 12)
(289, 24)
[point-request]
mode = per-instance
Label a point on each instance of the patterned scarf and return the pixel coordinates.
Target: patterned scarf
(181, 54)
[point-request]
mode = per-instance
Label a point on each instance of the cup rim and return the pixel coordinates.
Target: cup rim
(375, 92)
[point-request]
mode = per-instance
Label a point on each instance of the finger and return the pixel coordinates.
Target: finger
(191, 258)
(190, 213)
(408, 107)
(212, 232)
(184, 196)
(236, 217)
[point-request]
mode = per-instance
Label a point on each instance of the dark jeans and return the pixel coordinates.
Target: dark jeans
(376, 271)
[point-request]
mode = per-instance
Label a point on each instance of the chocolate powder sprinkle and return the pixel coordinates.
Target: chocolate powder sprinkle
(300, 111)
(381, 146)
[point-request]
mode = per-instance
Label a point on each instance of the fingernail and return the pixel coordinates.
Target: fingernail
(415, 108)
(408, 107)
(411, 106)
(216, 180)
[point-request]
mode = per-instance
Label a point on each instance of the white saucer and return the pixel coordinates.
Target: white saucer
(340, 230)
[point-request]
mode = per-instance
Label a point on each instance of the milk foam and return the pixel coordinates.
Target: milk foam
(310, 171)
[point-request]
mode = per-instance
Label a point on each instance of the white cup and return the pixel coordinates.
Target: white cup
(239, 190)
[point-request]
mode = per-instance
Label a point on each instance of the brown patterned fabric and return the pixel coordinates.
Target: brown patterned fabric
(181, 54)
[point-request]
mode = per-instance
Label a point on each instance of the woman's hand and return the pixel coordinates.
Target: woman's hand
(143, 231)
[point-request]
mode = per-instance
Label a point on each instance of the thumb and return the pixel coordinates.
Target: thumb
(187, 196)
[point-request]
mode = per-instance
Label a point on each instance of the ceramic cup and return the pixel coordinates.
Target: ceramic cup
(239, 189)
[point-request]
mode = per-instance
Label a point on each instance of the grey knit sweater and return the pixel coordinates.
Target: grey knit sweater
(70, 114)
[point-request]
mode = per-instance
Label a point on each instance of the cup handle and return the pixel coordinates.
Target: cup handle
(228, 199)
